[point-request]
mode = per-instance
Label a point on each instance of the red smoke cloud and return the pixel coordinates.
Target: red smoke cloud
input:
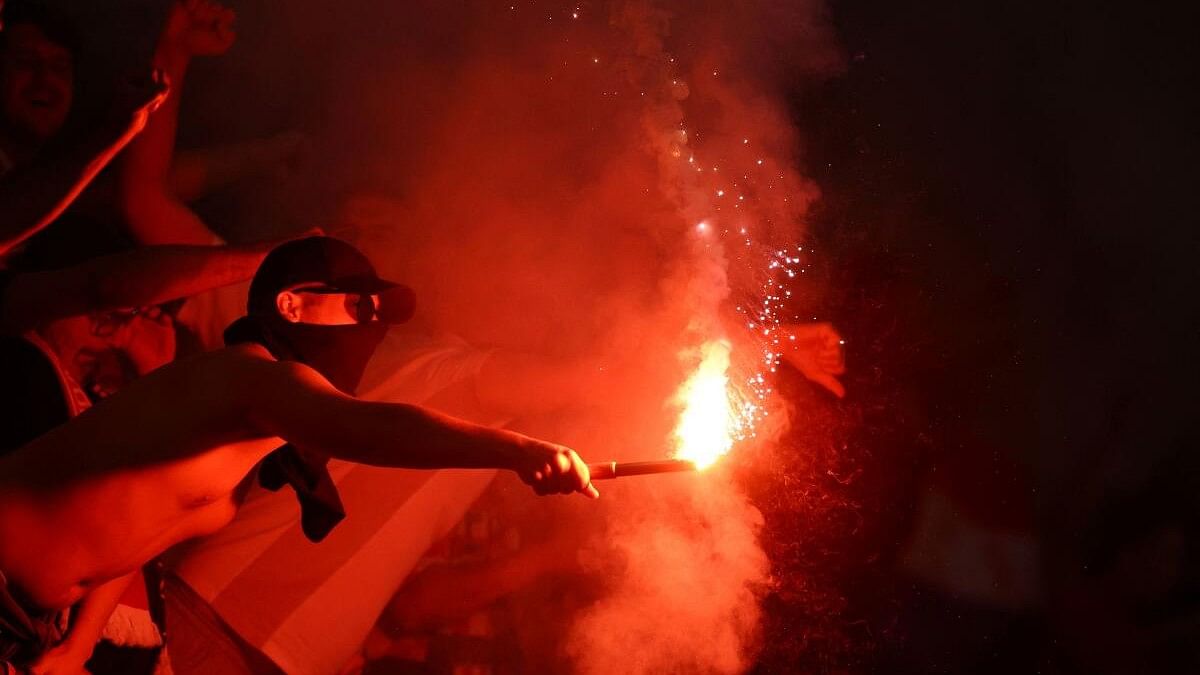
(603, 178)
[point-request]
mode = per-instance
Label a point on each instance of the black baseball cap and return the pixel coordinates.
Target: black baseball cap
(332, 263)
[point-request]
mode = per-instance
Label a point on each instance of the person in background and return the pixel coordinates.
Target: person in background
(105, 306)
(155, 183)
(41, 170)
(60, 322)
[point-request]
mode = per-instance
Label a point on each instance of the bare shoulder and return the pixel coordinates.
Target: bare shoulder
(254, 383)
(223, 369)
(278, 398)
(241, 364)
(252, 366)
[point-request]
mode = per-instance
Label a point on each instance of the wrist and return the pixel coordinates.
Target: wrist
(172, 57)
(513, 450)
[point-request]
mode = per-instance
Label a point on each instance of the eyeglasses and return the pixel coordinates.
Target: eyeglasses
(364, 308)
(106, 324)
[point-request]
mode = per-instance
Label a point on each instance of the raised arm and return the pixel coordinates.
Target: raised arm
(136, 278)
(154, 213)
(33, 196)
(296, 403)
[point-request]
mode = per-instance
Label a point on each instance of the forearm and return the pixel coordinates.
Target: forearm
(153, 212)
(294, 402)
(153, 152)
(91, 614)
(406, 436)
(155, 274)
(137, 278)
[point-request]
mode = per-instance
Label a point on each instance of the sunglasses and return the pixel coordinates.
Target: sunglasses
(364, 308)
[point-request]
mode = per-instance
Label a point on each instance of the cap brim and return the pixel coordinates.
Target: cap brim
(367, 285)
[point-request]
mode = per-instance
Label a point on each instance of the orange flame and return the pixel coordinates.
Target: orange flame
(708, 424)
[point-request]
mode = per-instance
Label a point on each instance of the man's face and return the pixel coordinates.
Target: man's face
(98, 348)
(37, 82)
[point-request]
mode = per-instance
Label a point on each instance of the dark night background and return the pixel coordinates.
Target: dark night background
(1008, 194)
(1008, 232)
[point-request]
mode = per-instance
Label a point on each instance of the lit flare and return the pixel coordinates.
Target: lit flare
(710, 421)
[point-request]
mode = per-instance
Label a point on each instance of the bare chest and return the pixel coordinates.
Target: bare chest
(105, 526)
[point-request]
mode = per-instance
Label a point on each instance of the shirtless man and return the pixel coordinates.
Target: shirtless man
(161, 460)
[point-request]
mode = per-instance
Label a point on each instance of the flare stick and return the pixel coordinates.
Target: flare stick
(609, 470)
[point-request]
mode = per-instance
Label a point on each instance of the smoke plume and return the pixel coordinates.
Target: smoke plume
(609, 180)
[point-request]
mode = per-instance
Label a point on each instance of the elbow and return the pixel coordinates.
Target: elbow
(138, 204)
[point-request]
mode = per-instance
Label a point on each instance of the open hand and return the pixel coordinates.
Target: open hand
(554, 469)
(816, 350)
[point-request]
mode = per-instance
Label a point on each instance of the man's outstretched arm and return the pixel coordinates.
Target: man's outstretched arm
(296, 403)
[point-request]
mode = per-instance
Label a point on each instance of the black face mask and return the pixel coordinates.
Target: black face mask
(340, 353)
